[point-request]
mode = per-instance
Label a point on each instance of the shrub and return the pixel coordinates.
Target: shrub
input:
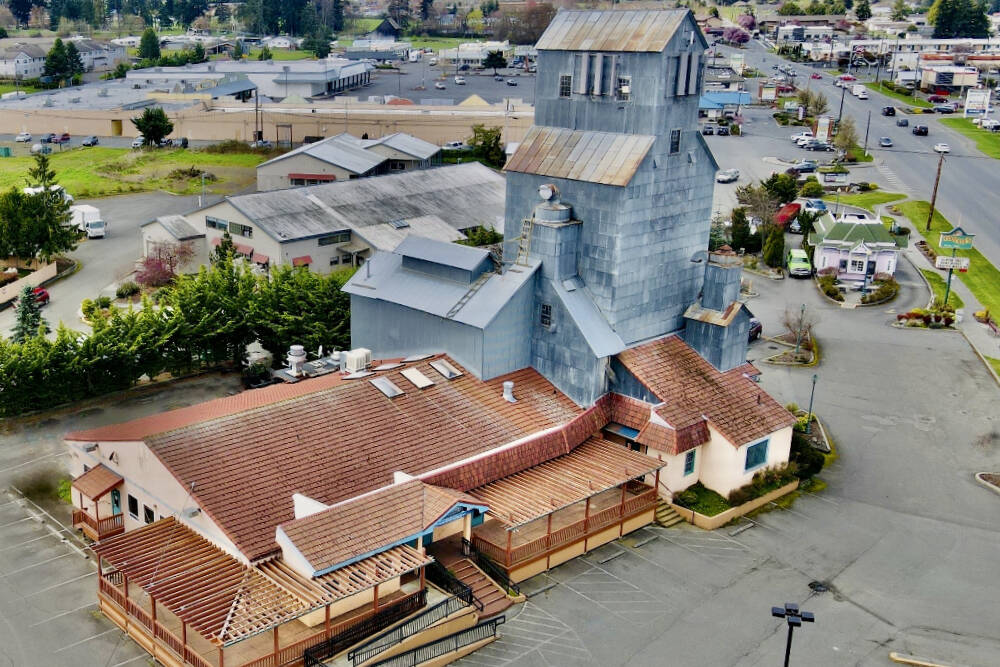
(103, 302)
(792, 407)
(827, 271)
(808, 460)
(811, 188)
(87, 307)
(886, 290)
(764, 482)
(127, 289)
(828, 284)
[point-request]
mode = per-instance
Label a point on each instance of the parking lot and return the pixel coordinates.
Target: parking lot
(414, 75)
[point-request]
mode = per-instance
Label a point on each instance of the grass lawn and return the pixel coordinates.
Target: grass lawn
(8, 87)
(982, 278)
(101, 172)
(995, 363)
(938, 284)
(905, 99)
(986, 141)
(708, 501)
(283, 54)
(867, 200)
(436, 43)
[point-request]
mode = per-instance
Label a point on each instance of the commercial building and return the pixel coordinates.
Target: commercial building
(344, 157)
(854, 249)
(474, 53)
(948, 77)
(804, 33)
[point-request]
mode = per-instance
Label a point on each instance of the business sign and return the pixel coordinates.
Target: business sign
(956, 239)
(956, 263)
(823, 128)
(736, 62)
(977, 101)
(768, 93)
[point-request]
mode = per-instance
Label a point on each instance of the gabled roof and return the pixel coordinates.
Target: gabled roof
(388, 235)
(853, 234)
(177, 226)
(608, 158)
(338, 151)
(331, 439)
(617, 31)
(693, 391)
(447, 254)
(97, 481)
(406, 143)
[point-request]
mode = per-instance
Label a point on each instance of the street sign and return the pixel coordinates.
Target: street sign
(956, 239)
(953, 263)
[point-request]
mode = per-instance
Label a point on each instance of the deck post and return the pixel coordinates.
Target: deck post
(184, 637)
(423, 580)
(586, 523)
(509, 534)
(375, 599)
(125, 598)
(152, 608)
(326, 622)
(467, 527)
(222, 656)
(621, 513)
(548, 531)
(274, 631)
(656, 483)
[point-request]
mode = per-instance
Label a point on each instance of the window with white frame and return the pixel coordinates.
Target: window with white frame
(858, 264)
(565, 85)
(756, 455)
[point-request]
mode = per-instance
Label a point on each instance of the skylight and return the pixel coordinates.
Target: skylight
(386, 367)
(399, 224)
(387, 387)
(448, 371)
(419, 380)
(417, 357)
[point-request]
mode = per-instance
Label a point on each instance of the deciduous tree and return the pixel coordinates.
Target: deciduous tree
(494, 60)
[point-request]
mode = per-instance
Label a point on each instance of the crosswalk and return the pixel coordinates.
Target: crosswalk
(891, 178)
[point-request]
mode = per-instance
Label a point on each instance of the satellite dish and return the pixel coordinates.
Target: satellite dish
(547, 191)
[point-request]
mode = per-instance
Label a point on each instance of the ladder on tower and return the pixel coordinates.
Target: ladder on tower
(524, 243)
(480, 281)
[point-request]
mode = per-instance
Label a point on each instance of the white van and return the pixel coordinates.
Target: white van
(54, 188)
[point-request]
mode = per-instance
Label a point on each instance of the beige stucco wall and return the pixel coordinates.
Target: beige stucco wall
(722, 466)
(151, 483)
(274, 176)
(673, 476)
(154, 233)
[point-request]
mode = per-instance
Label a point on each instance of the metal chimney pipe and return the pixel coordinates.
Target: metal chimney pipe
(508, 392)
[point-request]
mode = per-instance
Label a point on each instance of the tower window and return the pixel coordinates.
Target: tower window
(675, 141)
(624, 88)
(546, 318)
(565, 85)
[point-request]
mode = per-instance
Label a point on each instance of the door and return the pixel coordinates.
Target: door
(116, 502)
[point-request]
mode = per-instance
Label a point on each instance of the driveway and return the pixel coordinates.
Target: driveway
(903, 537)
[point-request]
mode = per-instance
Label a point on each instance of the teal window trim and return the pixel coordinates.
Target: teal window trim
(689, 462)
(756, 455)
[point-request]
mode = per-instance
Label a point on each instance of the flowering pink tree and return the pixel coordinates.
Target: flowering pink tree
(736, 35)
(746, 21)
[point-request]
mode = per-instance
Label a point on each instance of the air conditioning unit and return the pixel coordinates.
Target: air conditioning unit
(358, 359)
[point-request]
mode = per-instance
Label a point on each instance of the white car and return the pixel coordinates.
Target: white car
(804, 134)
(459, 80)
(727, 176)
(862, 95)
(138, 142)
(942, 148)
(439, 86)
(23, 137)
(802, 141)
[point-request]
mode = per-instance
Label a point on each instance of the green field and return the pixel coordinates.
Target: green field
(101, 172)
(938, 285)
(995, 363)
(905, 99)
(8, 87)
(982, 278)
(283, 54)
(436, 43)
(986, 141)
(867, 200)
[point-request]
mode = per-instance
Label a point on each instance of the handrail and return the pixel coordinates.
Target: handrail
(450, 644)
(491, 569)
(394, 636)
(439, 575)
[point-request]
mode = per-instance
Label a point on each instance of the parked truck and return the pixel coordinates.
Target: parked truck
(89, 221)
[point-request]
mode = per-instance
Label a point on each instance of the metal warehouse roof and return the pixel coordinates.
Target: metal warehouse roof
(388, 235)
(448, 254)
(647, 30)
(406, 143)
(463, 195)
(598, 157)
(338, 151)
(177, 226)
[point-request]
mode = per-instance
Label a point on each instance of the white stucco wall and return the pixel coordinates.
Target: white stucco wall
(673, 475)
(723, 465)
(275, 176)
(154, 233)
(151, 483)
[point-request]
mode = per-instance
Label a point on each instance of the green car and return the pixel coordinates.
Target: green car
(798, 263)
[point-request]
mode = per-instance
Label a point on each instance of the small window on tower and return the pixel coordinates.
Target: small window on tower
(546, 318)
(675, 141)
(565, 85)
(624, 89)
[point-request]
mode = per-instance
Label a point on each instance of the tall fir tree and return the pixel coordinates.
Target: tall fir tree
(29, 321)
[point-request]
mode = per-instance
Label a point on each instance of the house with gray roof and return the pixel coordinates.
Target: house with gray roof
(164, 237)
(853, 250)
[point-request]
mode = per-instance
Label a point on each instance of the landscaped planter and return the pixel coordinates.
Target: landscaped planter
(721, 519)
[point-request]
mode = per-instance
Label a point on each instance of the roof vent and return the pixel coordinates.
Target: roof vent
(359, 359)
(387, 387)
(90, 446)
(296, 357)
(508, 392)
(446, 370)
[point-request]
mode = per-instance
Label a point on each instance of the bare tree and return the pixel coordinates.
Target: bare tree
(798, 320)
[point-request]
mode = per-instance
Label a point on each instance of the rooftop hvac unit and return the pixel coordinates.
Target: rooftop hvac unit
(103, 92)
(359, 359)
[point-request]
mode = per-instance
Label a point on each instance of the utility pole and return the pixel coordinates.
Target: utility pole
(843, 90)
(937, 180)
(868, 126)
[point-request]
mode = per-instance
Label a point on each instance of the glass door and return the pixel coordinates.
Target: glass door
(116, 502)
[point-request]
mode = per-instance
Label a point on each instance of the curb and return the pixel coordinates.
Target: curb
(905, 659)
(988, 485)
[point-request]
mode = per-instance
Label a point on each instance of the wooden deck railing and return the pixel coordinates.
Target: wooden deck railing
(574, 532)
(99, 528)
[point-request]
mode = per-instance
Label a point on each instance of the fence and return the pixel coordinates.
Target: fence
(450, 644)
(34, 279)
(390, 638)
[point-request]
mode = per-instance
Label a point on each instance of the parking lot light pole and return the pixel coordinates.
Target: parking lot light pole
(790, 612)
(812, 394)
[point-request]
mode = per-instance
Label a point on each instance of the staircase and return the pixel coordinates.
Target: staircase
(493, 597)
(666, 515)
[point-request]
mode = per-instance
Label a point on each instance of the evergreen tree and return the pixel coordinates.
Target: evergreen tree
(149, 45)
(238, 50)
(494, 60)
(265, 53)
(153, 124)
(863, 10)
(29, 322)
(425, 9)
(73, 60)
(740, 229)
(46, 216)
(21, 9)
(338, 15)
(774, 247)
(198, 54)
(225, 250)
(56, 62)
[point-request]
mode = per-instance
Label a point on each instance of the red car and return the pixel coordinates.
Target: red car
(41, 296)
(815, 75)
(937, 99)
(61, 139)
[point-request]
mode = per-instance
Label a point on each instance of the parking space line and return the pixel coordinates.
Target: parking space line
(47, 560)
(70, 581)
(12, 523)
(65, 613)
(26, 463)
(144, 656)
(21, 544)
(84, 641)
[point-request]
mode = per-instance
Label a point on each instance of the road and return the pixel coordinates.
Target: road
(969, 192)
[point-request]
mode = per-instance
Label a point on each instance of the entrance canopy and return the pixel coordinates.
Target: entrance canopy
(592, 468)
(97, 481)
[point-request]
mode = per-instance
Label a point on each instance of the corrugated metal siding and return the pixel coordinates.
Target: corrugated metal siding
(646, 31)
(595, 157)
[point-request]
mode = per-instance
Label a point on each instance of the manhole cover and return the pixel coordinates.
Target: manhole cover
(818, 586)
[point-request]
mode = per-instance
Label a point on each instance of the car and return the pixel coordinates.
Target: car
(814, 206)
(937, 99)
(885, 142)
(23, 137)
(457, 146)
(888, 111)
(802, 141)
(708, 129)
(727, 176)
(260, 143)
(463, 68)
(41, 296)
(498, 77)
(182, 142)
(47, 138)
(902, 122)
(815, 75)
(756, 329)
(819, 145)
(61, 139)
(805, 167)
(89, 141)
(165, 143)
(920, 130)
(807, 134)
(439, 86)
(139, 142)
(862, 95)
(944, 108)
(723, 131)
(798, 263)
(511, 82)
(942, 148)
(432, 62)
(40, 148)
(459, 80)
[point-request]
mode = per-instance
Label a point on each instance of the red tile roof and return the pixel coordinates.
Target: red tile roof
(692, 390)
(370, 523)
(97, 481)
(331, 439)
(656, 433)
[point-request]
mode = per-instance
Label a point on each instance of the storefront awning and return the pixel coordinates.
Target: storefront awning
(305, 260)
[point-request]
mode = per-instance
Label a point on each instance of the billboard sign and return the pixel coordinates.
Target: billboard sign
(736, 62)
(768, 93)
(823, 128)
(956, 239)
(977, 101)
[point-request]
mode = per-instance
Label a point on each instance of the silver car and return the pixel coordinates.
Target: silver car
(727, 176)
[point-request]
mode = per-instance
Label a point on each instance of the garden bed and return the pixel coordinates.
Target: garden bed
(721, 518)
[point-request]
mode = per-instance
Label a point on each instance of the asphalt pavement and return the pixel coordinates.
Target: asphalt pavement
(413, 76)
(969, 191)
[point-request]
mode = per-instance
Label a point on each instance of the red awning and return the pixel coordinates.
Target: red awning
(260, 259)
(305, 260)
(314, 177)
(244, 250)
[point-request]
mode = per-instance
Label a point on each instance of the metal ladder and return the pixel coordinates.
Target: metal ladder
(480, 281)
(524, 243)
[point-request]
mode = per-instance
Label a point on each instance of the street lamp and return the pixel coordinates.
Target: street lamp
(812, 394)
(790, 612)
